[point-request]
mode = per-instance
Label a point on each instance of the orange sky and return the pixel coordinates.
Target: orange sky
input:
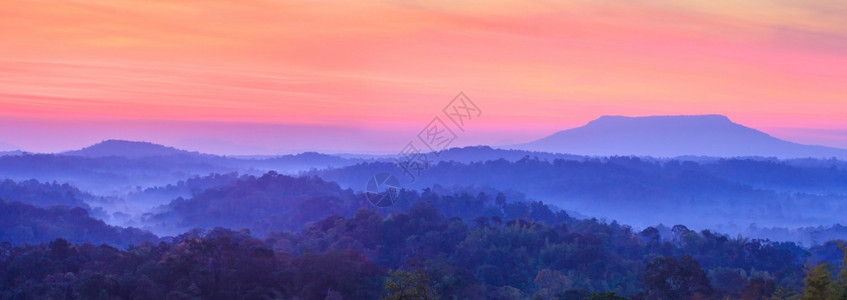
(532, 67)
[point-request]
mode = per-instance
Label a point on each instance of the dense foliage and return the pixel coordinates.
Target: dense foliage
(710, 193)
(43, 194)
(190, 187)
(279, 202)
(23, 223)
(437, 246)
(265, 203)
(307, 238)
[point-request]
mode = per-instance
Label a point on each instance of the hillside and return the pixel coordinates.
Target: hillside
(128, 149)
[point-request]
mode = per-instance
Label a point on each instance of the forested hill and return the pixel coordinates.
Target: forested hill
(716, 193)
(22, 223)
(471, 242)
(43, 194)
(424, 253)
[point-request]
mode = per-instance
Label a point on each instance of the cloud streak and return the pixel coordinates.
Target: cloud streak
(538, 66)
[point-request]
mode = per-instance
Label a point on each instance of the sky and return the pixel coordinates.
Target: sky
(270, 76)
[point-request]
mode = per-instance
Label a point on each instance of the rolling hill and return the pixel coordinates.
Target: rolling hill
(128, 149)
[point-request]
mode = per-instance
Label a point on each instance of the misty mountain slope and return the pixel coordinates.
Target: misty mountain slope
(485, 153)
(12, 153)
(147, 150)
(107, 175)
(23, 223)
(269, 202)
(307, 160)
(43, 194)
(485, 255)
(644, 192)
(116, 166)
(275, 202)
(672, 136)
(161, 195)
(298, 162)
(823, 177)
(119, 167)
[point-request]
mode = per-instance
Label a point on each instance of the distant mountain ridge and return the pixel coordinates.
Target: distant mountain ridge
(11, 153)
(672, 136)
(654, 136)
(128, 149)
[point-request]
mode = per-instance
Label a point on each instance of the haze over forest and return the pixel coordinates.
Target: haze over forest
(586, 150)
(124, 193)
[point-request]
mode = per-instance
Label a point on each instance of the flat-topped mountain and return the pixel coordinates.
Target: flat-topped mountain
(671, 136)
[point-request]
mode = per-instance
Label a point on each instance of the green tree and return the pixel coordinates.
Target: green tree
(840, 292)
(819, 285)
(783, 293)
(408, 285)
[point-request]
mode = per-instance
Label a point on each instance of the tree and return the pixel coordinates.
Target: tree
(500, 199)
(60, 249)
(669, 278)
(819, 285)
(605, 296)
(551, 282)
(650, 235)
(729, 281)
(757, 289)
(841, 288)
(408, 285)
(783, 293)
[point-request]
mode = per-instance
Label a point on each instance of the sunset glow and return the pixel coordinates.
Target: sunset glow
(389, 66)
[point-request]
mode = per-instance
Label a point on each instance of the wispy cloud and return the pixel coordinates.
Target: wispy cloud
(539, 66)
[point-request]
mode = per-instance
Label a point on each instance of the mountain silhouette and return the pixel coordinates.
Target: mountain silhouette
(672, 136)
(128, 149)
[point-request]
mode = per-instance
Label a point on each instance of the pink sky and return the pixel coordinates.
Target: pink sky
(75, 72)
